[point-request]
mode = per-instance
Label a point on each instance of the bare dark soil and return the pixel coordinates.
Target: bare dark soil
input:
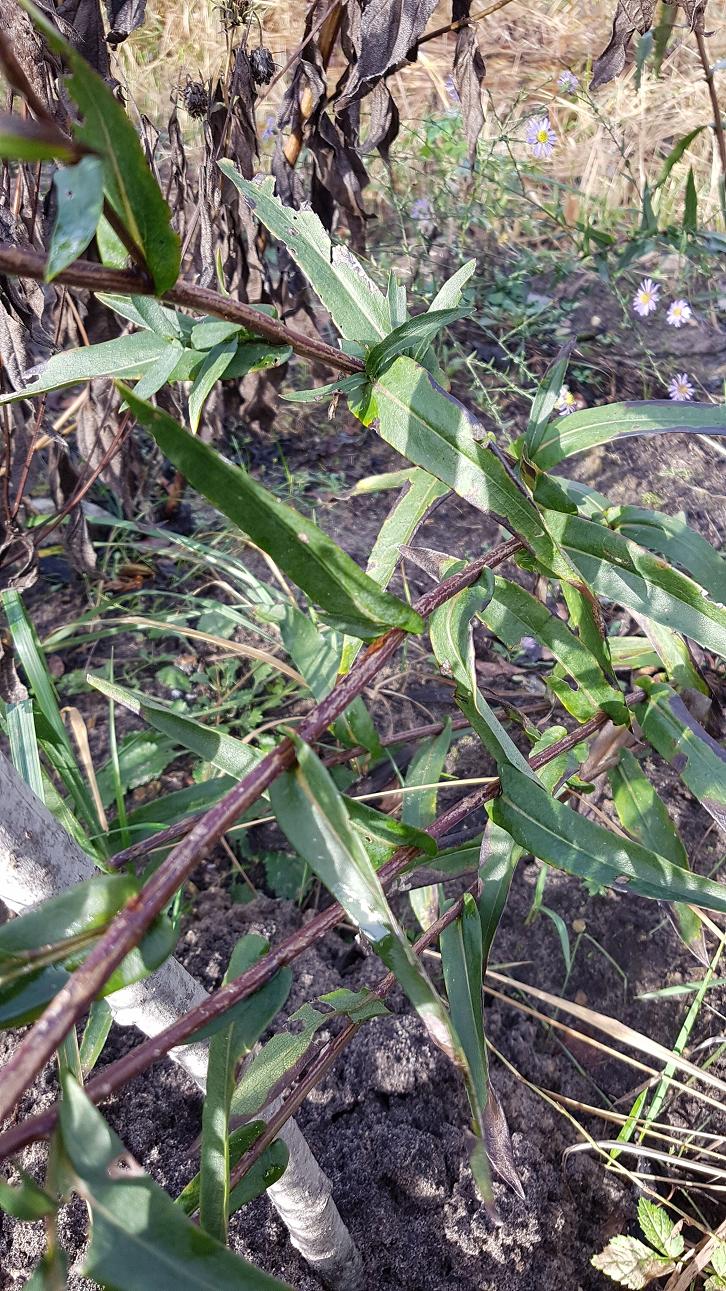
(388, 1123)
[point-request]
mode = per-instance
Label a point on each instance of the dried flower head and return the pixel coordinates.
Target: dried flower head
(645, 300)
(680, 388)
(234, 13)
(194, 96)
(262, 65)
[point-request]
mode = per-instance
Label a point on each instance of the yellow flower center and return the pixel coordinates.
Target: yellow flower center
(543, 135)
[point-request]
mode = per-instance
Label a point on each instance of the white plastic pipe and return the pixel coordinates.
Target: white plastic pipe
(38, 859)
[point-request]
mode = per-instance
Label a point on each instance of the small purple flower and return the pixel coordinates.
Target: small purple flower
(645, 300)
(451, 90)
(679, 313)
(680, 388)
(421, 209)
(541, 137)
(269, 129)
(568, 82)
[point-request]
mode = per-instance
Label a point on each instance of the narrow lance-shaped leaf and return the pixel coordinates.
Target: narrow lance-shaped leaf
(269, 1067)
(79, 194)
(356, 306)
(420, 492)
(513, 613)
(625, 573)
(267, 1169)
(582, 430)
(312, 815)
(126, 356)
(419, 810)
(699, 760)
(130, 185)
(644, 814)
(432, 429)
(463, 965)
(138, 1236)
(314, 562)
(545, 401)
(560, 836)
(212, 745)
(26, 140)
(226, 1049)
(451, 641)
(672, 537)
(414, 333)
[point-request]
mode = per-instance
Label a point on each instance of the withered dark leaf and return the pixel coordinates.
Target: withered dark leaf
(383, 122)
(632, 16)
(85, 28)
(469, 71)
(381, 34)
(499, 1144)
(124, 16)
(63, 480)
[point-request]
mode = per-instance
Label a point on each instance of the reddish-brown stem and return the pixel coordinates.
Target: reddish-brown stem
(21, 263)
(132, 922)
(217, 1004)
(181, 827)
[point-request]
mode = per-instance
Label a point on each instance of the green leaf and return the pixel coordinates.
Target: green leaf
(631, 1263)
(497, 862)
(79, 195)
(212, 369)
(410, 336)
(625, 573)
(513, 613)
(24, 753)
(659, 1229)
(95, 1034)
(317, 656)
(356, 306)
(561, 837)
(80, 910)
(592, 426)
(463, 966)
(312, 815)
(226, 1049)
(672, 537)
(672, 651)
(22, 139)
(131, 188)
(138, 1236)
(253, 1014)
(449, 295)
(429, 427)
(211, 744)
(51, 1273)
(690, 204)
(274, 1060)
(314, 562)
(383, 835)
(701, 763)
(545, 401)
(419, 809)
(126, 356)
(150, 314)
(255, 356)
(268, 1168)
(450, 633)
(26, 1200)
(675, 154)
(644, 814)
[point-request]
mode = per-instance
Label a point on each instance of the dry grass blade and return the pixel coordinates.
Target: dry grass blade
(653, 1154)
(616, 1030)
(229, 647)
